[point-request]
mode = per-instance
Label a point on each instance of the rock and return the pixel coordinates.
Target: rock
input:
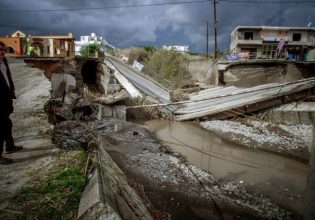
(119, 126)
(107, 111)
(65, 113)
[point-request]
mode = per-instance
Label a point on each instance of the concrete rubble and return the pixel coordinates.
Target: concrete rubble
(289, 140)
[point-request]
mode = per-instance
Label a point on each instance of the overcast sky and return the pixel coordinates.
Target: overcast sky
(181, 24)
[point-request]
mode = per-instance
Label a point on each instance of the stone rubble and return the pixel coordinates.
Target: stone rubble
(293, 140)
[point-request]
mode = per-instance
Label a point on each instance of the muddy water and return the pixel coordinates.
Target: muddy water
(277, 177)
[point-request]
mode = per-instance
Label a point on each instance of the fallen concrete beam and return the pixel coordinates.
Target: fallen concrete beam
(242, 99)
(146, 85)
(131, 89)
(91, 203)
(115, 186)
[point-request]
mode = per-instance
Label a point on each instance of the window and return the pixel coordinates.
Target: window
(248, 35)
(296, 37)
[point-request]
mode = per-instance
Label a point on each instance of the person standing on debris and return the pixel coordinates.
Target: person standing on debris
(7, 94)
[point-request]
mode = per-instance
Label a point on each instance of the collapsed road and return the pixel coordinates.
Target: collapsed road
(170, 185)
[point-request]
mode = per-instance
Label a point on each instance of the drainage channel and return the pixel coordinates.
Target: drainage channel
(281, 179)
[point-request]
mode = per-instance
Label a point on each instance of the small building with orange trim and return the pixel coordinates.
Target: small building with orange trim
(52, 45)
(43, 45)
(16, 43)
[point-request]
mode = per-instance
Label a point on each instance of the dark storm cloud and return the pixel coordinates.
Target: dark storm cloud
(171, 24)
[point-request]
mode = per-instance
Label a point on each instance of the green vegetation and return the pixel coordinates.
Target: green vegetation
(57, 195)
(90, 50)
(139, 54)
(167, 67)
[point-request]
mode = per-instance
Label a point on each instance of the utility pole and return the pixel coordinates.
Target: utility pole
(207, 46)
(215, 28)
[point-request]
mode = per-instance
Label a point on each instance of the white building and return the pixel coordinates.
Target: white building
(93, 39)
(177, 48)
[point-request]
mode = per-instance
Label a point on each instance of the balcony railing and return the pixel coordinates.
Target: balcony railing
(249, 42)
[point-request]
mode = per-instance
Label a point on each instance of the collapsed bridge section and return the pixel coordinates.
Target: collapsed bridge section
(112, 82)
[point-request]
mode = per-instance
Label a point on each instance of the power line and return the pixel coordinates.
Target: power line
(39, 25)
(154, 4)
(104, 8)
(269, 2)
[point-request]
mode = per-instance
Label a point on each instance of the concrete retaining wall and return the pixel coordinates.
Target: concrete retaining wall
(249, 74)
(108, 194)
(203, 72)
(293, 113)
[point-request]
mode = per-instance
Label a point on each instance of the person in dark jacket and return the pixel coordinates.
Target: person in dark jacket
(7, 94)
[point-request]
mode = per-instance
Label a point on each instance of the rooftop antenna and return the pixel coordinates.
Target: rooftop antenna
(309, 21)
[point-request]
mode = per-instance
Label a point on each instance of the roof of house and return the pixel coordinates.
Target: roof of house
(273, 28)
(69, 36)
(18, 31)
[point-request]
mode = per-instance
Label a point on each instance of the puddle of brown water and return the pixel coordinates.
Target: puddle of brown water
(273, 175)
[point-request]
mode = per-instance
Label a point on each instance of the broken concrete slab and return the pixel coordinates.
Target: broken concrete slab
(119, 112)
(246, 100)
(65, 113)
(107, 111)
(91, 205)
(62, 83)
(133, 91)
(117, 195)
(139, 81)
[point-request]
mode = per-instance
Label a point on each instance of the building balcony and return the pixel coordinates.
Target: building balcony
(249, 42)
(300, 43)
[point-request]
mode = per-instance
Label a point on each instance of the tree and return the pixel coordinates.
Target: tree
(89, 50)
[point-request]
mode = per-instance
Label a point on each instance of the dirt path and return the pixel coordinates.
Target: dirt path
(31, 129)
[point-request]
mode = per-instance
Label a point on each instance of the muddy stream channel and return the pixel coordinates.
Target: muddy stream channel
(281, 179)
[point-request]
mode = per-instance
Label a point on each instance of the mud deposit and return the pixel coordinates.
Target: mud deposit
(275, 176)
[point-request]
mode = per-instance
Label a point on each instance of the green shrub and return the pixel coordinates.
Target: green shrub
(139, 54)
(89, 50)
(169, 66)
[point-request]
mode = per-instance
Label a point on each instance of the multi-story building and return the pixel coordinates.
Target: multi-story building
(52, 45)
(177, 48)
(261, 42)
(93, 39)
